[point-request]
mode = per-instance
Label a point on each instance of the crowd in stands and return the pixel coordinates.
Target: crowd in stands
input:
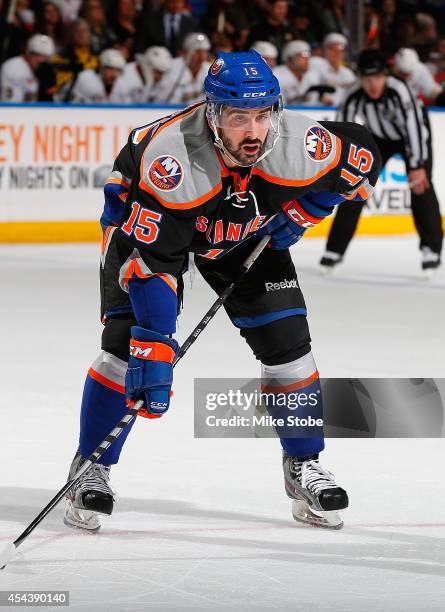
(159, 51)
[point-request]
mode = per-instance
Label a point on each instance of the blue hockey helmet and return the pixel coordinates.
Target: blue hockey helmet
(243, 80)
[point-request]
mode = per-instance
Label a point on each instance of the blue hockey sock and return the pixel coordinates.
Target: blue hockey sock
(103, 406)
(293, 391)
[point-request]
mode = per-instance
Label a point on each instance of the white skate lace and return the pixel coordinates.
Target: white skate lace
(97, 479)
(313, 477)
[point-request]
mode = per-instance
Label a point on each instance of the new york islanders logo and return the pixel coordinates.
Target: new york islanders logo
(216, 66)
(317, 143)
(165, 173)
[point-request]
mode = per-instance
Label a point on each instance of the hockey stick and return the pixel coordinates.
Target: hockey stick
(10, 549)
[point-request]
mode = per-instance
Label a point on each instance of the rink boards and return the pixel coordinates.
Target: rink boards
(54, 160)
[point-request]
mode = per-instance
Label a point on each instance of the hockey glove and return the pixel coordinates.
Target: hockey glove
(288, 226)
(283, 232)
(150, 372)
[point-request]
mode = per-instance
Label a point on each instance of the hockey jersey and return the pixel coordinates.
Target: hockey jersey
(170, 192)
(294, 90)
(89, 88)
(341, 79)
(141, 92)
(180, 86)
(17, 81)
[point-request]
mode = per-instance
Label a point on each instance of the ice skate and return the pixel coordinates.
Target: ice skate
(430, 263)
(89, 497)
(329, 261)
(316, 497)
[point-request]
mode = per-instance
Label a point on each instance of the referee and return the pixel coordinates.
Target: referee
(399, 124)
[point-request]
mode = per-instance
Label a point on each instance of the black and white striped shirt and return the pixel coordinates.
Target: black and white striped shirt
(398, 116)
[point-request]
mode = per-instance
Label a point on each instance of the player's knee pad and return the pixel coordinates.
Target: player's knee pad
(292, 393)
(103, 406)
(279, 341)
(116, 337)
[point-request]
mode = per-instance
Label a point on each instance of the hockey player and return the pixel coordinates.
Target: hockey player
(332, 70)
(146, 79)
(267, 50)
(103, 85)
(416, 74)
(399, 124)
(297, 81)
(217, 174)
(185, 80)
(18, 81)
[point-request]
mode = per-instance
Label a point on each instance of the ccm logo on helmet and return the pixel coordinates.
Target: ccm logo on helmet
(137, 351)
(254, 94)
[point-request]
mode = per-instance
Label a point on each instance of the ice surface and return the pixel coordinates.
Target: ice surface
(205, 524)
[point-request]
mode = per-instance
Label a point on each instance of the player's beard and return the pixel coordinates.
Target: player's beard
(237, 152)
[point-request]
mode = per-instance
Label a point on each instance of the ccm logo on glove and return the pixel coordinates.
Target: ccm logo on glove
(154, 351)
(298, 215)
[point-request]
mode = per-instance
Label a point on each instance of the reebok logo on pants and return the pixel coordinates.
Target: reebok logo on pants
(286, 284)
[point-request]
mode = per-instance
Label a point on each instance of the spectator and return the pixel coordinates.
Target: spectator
(436, 8)
(305, 23)
(331, 68)
(407, 7)
(256, 10)
(198, 8)
(49, 21)
(101, 35)
(436, 63)
(228, 17)
(24, 16)
(267, 50)
(371, 27)
(299, 84)
(388, 14)
(426, 36)
(147, 77)
(275, 28)
(14, 34)
(122, 20)
(186, 78)
(333, 17)
(76, 57)
(408, 67)
(167, 27)
(103, 85)
(69, 9)
(404, 33)
(221, 42)
(18, 80)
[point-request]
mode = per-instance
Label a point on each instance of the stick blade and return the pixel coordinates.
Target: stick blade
(6, 555)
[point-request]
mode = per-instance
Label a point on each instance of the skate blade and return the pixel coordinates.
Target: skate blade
(429, 273)
(81, 519)
(325, 520)
(327, 270)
